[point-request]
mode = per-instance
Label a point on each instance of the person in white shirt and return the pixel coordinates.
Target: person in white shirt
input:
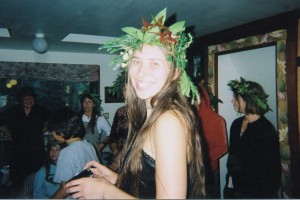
(96, 125)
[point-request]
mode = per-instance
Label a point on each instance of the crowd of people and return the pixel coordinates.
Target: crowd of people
(159, 146)
(34, 169)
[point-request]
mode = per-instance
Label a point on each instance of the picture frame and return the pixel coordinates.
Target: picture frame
(197, 66)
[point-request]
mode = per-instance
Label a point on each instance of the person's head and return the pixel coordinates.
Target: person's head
(238, 103)
(26, 96)
(249, 97)
(89, 106)
(53, 150)
(89, 103)
(154, 57)
(66, 124)
(150, 72)
(167, 44)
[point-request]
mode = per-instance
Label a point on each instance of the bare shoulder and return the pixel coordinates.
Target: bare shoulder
(170, 116)
(170, 138)
(170, 123)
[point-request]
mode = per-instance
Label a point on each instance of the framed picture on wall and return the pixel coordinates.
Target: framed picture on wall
(196, 68)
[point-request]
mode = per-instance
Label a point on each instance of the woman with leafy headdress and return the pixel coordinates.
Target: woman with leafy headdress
(253, 157)
(162, 155)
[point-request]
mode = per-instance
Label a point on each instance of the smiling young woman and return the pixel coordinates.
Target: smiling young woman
(162, 156)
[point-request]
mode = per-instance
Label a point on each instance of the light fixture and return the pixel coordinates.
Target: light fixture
(39, 43)
(89, 39)
(4, 32)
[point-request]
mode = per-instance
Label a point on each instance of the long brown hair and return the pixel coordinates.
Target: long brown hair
(169, 98)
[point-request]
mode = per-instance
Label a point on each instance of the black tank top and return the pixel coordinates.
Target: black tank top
(147, 186)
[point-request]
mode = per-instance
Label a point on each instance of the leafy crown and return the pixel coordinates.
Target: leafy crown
(242, 88)
(172, 38)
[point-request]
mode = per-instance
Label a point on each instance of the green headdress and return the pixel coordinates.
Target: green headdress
(172, 38)
(242, 88)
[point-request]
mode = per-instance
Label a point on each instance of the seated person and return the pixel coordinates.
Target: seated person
(43, 186)
(67, 126)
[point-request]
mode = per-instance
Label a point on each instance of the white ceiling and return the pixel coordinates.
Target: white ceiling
(58, 18)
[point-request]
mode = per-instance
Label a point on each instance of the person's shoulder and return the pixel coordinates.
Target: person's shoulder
(170, 119)
(100, 116)
(172, 115)
(238, 120)
(265, 120)
(267, 124)
(41, 170)
(122, 109)
(101, 119)
(169, 125)
(69, 151)
(84, 143)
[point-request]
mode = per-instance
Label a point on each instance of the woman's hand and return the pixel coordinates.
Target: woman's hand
(95, 188)
(88, 188)
(102, 171)
(102, 186)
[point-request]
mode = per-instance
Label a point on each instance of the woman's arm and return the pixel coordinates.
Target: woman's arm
(102, 171)
(61, 193)
(114, 148)
(170, 144)
(103, 126)
(102, 186)
(95, 188)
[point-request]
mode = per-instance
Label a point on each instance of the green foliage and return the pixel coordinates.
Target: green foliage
(172, 38)
(242, 88)
(118, 85)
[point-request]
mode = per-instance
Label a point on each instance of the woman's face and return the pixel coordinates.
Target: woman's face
(88, 105)
(54, 153)
(28, 102)
(239, 104)
(148, 71)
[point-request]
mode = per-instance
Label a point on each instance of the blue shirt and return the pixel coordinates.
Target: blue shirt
(72, 160)
(43, 189)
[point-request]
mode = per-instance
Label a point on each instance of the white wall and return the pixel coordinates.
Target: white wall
(107, 74)
(256, 65)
